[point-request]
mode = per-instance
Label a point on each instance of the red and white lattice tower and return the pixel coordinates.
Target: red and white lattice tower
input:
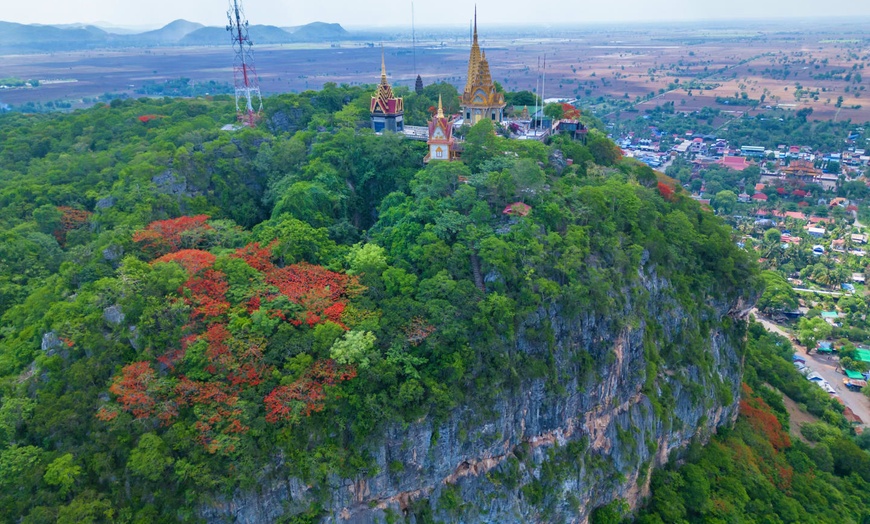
(247, 84)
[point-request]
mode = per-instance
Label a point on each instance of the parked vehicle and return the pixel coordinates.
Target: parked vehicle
(854, 385)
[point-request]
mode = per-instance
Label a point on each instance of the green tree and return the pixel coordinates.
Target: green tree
(724, 202)
(354, 348)
(778, 294)
(150, 458)
(62, 474)
(811, 331)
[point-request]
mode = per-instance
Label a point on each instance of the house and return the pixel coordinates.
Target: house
(839, 245)
(859, 278)
(759, 187)
(859, 239)
(759, 197)
(816, 232)
(744, 198)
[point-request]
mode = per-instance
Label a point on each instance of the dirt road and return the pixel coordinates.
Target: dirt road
(826, 366)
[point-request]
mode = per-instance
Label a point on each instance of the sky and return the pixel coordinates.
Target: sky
(391, 13)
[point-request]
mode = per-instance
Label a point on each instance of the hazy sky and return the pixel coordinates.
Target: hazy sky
(356, 13)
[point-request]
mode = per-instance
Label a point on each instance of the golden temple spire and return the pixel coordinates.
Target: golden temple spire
(383, 66)
(440, 107)
(475, 23)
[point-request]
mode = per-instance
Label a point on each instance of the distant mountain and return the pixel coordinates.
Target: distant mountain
(260, 34)
(170, 34)
(30, 38)
(20, 38)
(318, 31)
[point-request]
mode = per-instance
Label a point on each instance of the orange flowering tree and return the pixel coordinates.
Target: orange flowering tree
(217, 376)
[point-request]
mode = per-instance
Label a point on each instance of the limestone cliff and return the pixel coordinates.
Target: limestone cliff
(631, 386)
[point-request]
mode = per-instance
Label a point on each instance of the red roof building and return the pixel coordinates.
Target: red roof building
(759, 197)
(737, 163)
(518, 209)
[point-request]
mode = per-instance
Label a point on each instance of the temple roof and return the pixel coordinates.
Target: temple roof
(479, 87)
(384, 101)
(443, 122)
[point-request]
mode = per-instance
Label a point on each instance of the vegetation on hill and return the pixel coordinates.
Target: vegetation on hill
(756, 471)
(179, 303)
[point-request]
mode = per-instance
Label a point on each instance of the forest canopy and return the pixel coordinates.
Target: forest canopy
(179, 302)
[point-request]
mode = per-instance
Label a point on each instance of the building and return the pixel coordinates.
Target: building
(756, 151)
(480, 100)
(737, 163)
(388, 110)
(442, 145)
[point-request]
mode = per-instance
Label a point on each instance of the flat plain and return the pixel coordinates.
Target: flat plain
(735, 67)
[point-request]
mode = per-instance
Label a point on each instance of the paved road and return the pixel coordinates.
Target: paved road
(826, 367)
(831, 293)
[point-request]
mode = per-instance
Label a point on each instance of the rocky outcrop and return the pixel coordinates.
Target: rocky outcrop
(554, 448)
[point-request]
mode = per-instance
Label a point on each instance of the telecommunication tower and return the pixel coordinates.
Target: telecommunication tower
(247, 84)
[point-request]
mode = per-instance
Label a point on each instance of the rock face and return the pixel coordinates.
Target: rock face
(553, 449)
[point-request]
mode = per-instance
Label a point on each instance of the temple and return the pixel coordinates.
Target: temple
(388, 110)
(480, 100)
(442, 145)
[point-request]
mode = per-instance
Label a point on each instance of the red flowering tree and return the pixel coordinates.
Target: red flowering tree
(306, 395)
(192, 260)
(216, 367)
(666, 191)
(70, 220)
(166, 236)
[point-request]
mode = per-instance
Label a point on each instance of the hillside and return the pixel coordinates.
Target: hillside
(303, 323)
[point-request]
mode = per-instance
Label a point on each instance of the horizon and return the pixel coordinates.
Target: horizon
(447, 14)
(705, 22)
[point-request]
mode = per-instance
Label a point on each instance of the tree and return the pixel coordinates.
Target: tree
(724, 202)
(150, 458)
(62, 473)
(353, 349)
(811, 331)
(772, 236)
(554, 111)
(778, 294)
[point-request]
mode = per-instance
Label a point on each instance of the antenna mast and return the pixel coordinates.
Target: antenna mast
(244, 72)
(414, 37)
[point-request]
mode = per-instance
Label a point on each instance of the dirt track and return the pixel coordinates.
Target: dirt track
(826, 367)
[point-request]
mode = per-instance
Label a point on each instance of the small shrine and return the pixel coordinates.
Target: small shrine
(388, 110)
(442, 144)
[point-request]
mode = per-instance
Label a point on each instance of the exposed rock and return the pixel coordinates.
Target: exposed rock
(558, 162)
(134, 338)
(106, 203)
(113, 253)
(51, 343)
(113, 315)
(602, 427)
(170, 184)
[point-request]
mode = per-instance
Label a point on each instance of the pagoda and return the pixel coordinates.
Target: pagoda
(388, 110)
(480, 100)
(442, 145)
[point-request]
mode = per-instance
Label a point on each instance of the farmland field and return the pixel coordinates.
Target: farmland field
(735, 69)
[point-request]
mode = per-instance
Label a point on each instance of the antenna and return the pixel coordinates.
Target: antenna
(537, 94)
(244, 73)
(543, 88)
(414, 37)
